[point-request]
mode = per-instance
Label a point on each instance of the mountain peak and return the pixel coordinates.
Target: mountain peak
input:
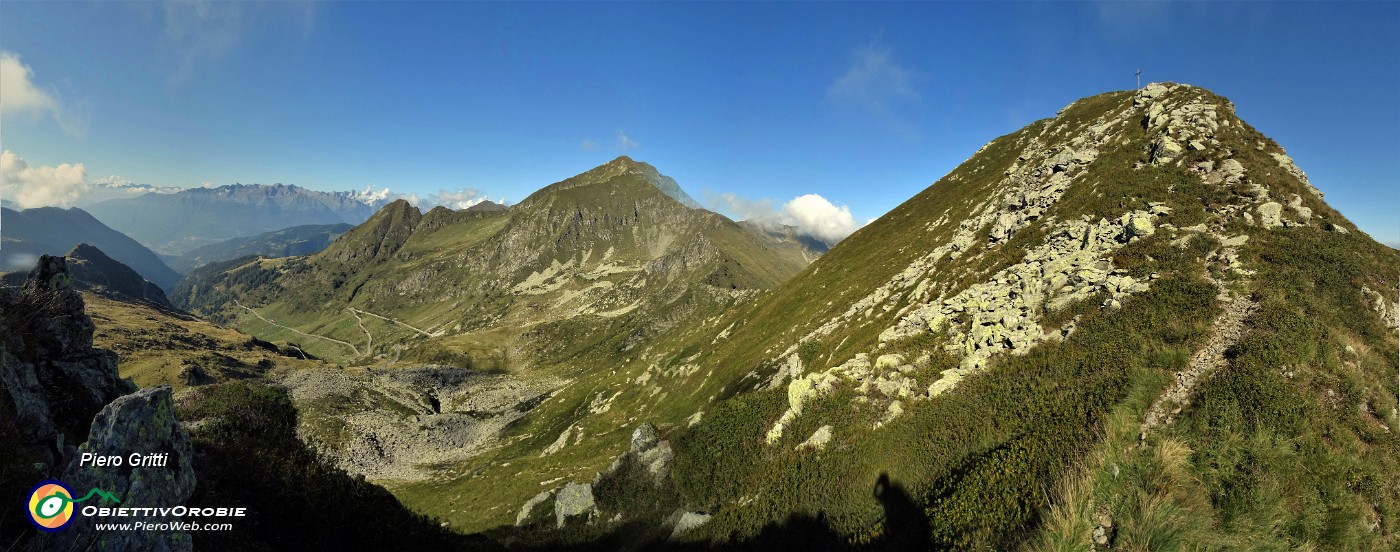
(619, 166)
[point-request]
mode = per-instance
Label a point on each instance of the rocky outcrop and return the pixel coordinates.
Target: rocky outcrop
(142, 422)
(59, 391)
(575, 501)
(54, 381)
(1387, 311)
(1270, 215)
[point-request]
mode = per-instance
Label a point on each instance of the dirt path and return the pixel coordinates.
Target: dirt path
(391, 320)
(369, 337)
(296, 331)
(1225, 332)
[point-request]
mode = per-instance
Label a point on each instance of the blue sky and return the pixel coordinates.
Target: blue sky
(863, 104)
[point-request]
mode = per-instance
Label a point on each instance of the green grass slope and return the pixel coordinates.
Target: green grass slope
(1289, 445)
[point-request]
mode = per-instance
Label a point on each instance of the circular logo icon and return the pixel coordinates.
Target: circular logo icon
(51, 505)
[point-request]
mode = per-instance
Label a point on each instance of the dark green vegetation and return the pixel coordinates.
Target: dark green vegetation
(175, 224)
(287, 242)
(54, 231)
(248, 455)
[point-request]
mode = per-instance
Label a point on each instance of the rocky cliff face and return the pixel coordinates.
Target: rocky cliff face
(59, 392)
(55, 381)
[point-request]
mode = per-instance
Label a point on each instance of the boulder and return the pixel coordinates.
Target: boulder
(689, 521)
(887, 362)
(1231, 170)
(1150, 92)
(575, 500)
(658, 460)
(1296, 204)
(1165, 149)
(643, 438)
(1139, 225)
(1270, 215)
(818, 440)
(529, 508)
(142, 422)
(1061, 161)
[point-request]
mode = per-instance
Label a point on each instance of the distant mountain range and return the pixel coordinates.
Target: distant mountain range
(29, 233)
(297, 240)
(178, 223)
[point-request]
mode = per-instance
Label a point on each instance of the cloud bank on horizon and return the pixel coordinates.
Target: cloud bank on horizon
(811, 214)
(69, 185)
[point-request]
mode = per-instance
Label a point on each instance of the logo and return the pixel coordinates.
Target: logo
(51, 504)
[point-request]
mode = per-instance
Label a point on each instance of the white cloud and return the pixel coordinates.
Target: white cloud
(819, 218)
(64, 185)
(41, 186)
(371, 195)
(459, 199)
(812, 215)
(452, 199)
(874, 81)
(588, 145)
(18, 94)
(626, 143)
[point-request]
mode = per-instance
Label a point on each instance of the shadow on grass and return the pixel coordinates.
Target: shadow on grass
(906, 528)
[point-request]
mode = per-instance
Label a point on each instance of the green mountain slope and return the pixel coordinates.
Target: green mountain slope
(487, 312)
(53, 231)
(571, 260)
(288, 242)
(1135, 324)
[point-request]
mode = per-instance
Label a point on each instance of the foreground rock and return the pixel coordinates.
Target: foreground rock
(59, 391)
(142, 421)
(54, 381)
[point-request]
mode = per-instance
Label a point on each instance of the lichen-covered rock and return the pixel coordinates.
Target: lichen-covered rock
(575, 500)
(1270, 215)
(888, 362)
(818, 440)
(657, 460)
(689, 521)
(142, 422)
(528, 509)
(1232, 171)
(1296, 204)
(1165, 149)
(1139, 225)
(804, 389)
(1389, 312)
(643, 438)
